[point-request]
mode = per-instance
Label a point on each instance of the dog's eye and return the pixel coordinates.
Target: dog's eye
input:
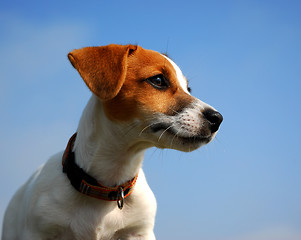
(158, 81)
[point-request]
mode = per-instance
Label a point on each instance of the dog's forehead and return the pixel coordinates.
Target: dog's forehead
(182, 80)
(151, 60)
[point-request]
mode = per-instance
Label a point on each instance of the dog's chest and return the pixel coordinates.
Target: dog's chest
(113, 225)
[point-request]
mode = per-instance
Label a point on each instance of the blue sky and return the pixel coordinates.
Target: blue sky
(242, 57)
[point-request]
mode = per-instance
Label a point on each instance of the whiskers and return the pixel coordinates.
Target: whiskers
(132, 128)
(178, 130)
(176, 112)
(148, 126)
(164, 132)
(175, 136)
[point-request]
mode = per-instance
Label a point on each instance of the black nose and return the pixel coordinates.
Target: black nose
(214, 118)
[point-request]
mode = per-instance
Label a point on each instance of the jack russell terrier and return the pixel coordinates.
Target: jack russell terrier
(140, 99)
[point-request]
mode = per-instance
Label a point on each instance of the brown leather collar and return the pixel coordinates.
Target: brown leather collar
(88, 185)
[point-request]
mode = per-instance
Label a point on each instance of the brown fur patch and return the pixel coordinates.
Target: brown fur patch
(137, 98)
(117, 75)
(102, 68)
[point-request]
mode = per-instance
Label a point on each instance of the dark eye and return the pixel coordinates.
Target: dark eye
(158, 81)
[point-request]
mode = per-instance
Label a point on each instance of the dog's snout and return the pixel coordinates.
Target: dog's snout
(214, 118)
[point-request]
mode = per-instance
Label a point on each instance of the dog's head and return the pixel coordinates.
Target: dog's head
(147, 88)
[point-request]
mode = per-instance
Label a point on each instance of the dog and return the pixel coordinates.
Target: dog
(96, 188)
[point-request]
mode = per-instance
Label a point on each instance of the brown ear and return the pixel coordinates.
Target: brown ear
(102, 68)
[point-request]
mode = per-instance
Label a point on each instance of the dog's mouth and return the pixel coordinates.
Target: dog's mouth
(166, 128)
(160, 126)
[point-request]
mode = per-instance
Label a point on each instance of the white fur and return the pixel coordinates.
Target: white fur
(47, 206)
(182, 80)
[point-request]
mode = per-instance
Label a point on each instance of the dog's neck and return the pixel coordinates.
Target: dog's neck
(107, 151)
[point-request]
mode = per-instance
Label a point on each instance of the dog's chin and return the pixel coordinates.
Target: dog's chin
(171, 140)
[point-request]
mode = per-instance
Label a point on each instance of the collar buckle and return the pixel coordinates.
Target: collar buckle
(121, 196)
